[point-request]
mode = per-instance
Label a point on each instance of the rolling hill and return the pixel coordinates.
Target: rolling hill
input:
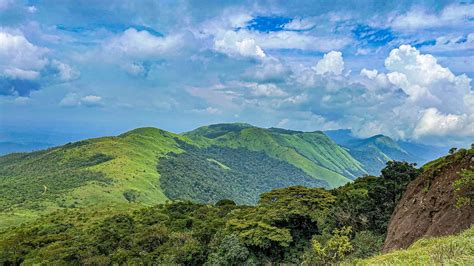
(149, 166)
(313, 152)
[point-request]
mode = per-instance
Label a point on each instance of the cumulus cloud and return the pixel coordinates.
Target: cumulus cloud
(425, 81)
(331, 63)
(23, 65)
(414, 98)
(64, 71)
(434, 123)
(19, 58)
(74, 100)
(141, 44)
(231, 43)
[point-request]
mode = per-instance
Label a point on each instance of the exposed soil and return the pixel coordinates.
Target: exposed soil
(427, 207)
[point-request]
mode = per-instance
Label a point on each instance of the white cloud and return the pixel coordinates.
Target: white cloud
(267, 90)
(73, 100)
(331, 63)
(208, 110)
(371, 74)
(232, 43)
(65, 72)
(434, 123)
(270, 70)
(31, 9)
(417, 18)
(19, 58)
(300, 24)
(16, 73)
(91, 100)
(425, 81)
(142, 44)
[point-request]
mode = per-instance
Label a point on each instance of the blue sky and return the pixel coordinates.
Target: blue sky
(91, 68)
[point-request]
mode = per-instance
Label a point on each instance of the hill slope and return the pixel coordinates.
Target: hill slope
(429, 207)
(145, 165)
(375, 151)
(312, 152)
(447, 250)
(85, 173)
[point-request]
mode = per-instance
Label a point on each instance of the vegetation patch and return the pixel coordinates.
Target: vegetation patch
(208, 175)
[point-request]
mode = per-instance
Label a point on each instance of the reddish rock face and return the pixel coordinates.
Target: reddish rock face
(427, 207)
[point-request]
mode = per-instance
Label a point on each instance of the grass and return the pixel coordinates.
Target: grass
(312, 152)
(125, 162)
(448, 250)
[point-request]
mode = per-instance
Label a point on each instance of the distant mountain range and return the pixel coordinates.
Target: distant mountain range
(375, 151)
(150, 166)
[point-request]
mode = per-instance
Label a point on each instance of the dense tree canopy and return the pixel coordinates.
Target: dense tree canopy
(287, 225)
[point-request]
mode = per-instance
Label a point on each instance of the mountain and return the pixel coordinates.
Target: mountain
(149, 166)
(375, 151)
(437, 203)
(313, 152)
(294, 225)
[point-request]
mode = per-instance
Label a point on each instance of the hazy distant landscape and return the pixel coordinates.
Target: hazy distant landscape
(305, 132)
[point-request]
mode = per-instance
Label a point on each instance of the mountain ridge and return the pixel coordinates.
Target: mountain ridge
(123, 168)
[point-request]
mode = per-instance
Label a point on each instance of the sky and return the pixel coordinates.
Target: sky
(92, 68)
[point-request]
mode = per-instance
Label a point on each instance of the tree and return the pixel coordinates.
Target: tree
(452, 150)
(334, 250)
(230, 252)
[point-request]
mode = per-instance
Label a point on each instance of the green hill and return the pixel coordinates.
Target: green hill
(85, 173)
(150, 166)
(312, 152)
(375, 151)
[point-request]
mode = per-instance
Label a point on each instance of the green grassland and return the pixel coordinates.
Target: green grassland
(448, 250)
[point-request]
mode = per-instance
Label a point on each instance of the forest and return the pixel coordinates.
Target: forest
(311, 226)
(207, 175)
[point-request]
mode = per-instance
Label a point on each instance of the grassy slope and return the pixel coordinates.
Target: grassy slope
(313, 152)
(449, 250)
(135, 155)
(375, 151)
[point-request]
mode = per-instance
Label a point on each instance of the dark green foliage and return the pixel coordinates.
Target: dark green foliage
(89, 161)
(215, 173)
(368, 203)
(230, 251)
(291, 225)
(225, 202)
(366, 244)
(131, 195)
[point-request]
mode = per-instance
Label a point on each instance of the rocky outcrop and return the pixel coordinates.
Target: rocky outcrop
(428, 206)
